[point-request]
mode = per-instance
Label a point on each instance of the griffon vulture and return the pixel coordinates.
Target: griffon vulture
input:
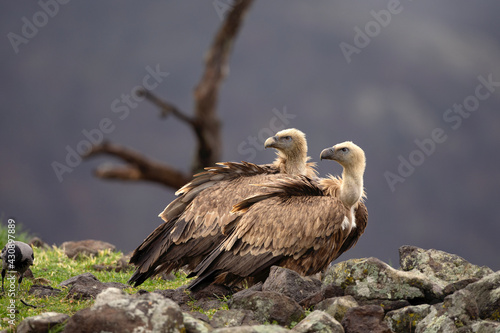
(296, 222)
(194, 221)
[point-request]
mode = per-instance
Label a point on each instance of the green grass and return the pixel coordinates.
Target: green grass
(52, 266)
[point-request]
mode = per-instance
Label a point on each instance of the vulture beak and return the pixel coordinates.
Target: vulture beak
(327, 154)
(271, 142)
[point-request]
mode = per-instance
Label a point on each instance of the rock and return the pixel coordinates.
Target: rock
(42, 323)
(318, 322)
(121, 265)
(461, 307)
(328, 291)
(291, 283)
(406, 319)
(178, 295)
(337, 306)
(43, 291)
(37, 242)
(115, 311)
(387, 305)
(194, 325)
(444, 266)
(233, 318)
(87, 247)
(86, 286)
(212, 291)
(269, 306)
(368, 318)
(371, 278)
(485, 326)
(454, 286)
(487, 294)
(436, 322)
(253, 329)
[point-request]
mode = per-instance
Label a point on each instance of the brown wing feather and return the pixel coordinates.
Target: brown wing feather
(294, 225)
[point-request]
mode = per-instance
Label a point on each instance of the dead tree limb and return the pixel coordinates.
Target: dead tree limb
(205, 122)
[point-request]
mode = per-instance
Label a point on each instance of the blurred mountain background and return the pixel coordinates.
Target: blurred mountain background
(397, 85)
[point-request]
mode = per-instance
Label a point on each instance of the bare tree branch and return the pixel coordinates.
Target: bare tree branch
(205, 122)
(138, 168)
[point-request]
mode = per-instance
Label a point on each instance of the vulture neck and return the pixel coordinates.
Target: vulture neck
(292, 164)
(351, 189)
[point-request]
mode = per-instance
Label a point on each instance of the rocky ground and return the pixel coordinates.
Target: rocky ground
(432, 291)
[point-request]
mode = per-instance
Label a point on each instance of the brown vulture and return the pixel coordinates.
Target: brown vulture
(194, 221)
(295, 222)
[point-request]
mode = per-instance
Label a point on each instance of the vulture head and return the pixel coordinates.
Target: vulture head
(352, 158)
(291, 145)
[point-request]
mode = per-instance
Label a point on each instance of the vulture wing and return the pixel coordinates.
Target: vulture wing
(295, 225)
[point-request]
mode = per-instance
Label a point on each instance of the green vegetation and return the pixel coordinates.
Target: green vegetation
(52, 266)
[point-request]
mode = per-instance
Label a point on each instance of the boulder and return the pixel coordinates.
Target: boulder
(487, 295)
(253, 329)
(115, 311)
(367, 318)
(269, 306)
(406, 319)
(485, 326)
(337, 306)
(291, 283)
(178, 295)
(194, 325)
(370, 278)
(327, 291)
(444, 266)
(42, 323)
(436, 322)
(43, 291)
(87, 247)
(318, 322)
(233, 318)
(87, 286)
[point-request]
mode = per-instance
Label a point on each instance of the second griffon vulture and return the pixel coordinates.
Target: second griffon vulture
(194, 221)
(296, 222)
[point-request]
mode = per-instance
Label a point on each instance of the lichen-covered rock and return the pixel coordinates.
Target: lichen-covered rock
(461, 307)
(291, 283)
(328, 291)
(337, 306)
(444, 266)
(371, 278)
(194, 325)
(87, 247)
(318, 322)
(253, 329)
(115, 311)
(485, 326)
(232, 318)
(269, 306)
(406, 319)
(42, 323)
(436, 322)
(487, 294)
(87, 286)
(362, 319)
(178, 295)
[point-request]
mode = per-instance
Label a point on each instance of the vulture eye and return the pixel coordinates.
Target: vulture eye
(287, 138)
(345, 149)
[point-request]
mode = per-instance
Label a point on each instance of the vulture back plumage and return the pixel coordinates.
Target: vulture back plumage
(195, 221)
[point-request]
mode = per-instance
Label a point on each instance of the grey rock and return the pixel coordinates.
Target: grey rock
(252, 329)
(269, 306)
(461, 307)
(291, 283)
(87, 286)
(232, 318)
(318, 322)
(43, 291)
(178, 295)
(115, 311)
(406, 319)
(42, 323)
(454, 286)
(371, 278)
(194, 325)
(362, 319)
(87, 247)
(386, 304)
(436, 322)
(444, 266)
(328, 291)
(485, 326)
(337, 306)
(216, 291)
(487, 294)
